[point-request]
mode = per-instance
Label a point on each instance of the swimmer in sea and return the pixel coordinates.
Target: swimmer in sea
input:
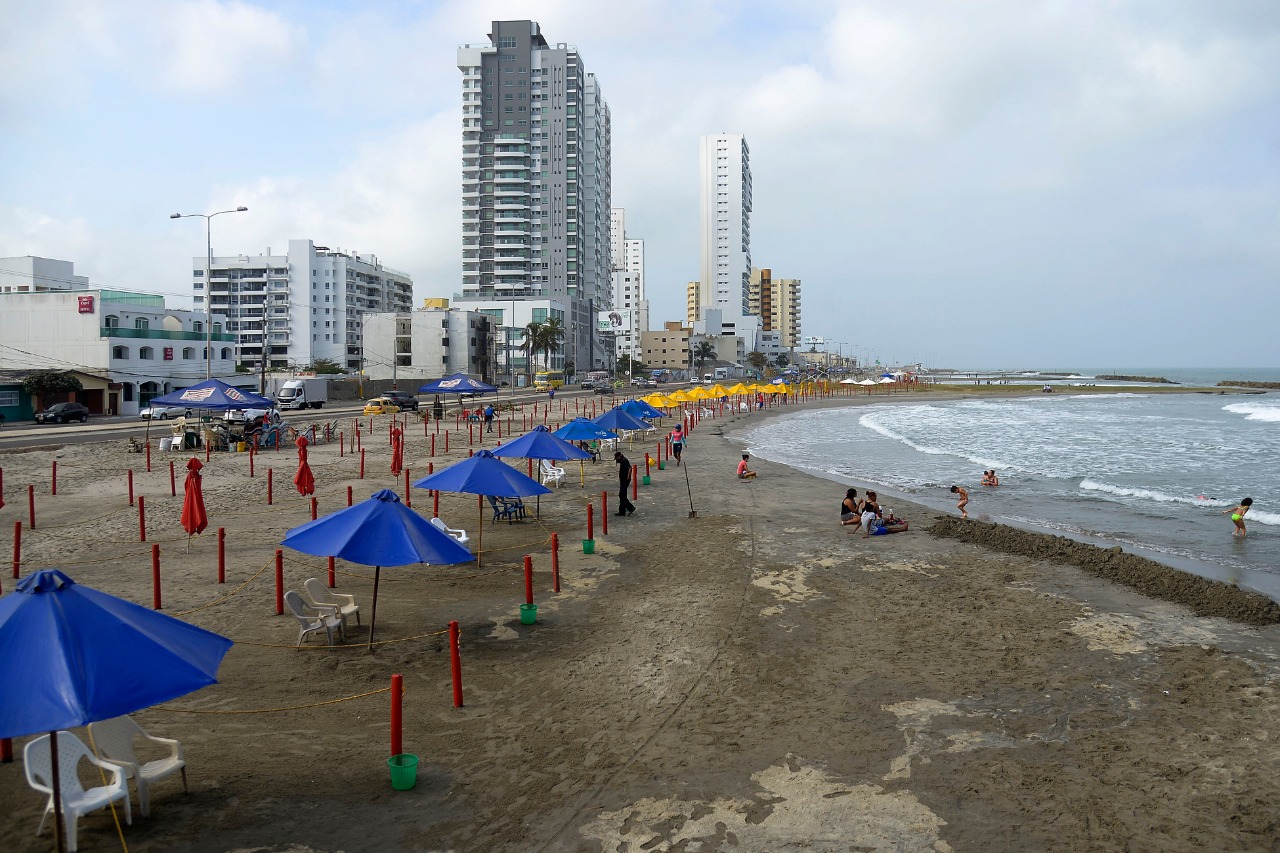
(963, 502)
(989, 478)
(1238, 514)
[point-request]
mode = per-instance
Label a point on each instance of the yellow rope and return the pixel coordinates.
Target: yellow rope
(265, 566)
(276, 710)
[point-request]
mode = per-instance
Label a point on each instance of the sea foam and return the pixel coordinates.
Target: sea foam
(1151, 494)
(1255, 411)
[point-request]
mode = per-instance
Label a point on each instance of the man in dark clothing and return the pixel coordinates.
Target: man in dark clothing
(625, 506)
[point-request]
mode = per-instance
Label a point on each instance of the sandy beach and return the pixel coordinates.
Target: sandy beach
(747, 675)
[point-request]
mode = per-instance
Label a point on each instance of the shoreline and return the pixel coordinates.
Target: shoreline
(752, 678)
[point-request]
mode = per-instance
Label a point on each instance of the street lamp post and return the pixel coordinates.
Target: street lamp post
(208, 286)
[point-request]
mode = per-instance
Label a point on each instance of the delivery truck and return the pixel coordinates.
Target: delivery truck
(303, 394)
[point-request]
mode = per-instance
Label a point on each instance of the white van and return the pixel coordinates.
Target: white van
(708, 379)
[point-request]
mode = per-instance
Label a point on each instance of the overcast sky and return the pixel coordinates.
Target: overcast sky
(997, 183)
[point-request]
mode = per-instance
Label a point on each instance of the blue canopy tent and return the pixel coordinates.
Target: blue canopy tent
(483, 474)
(380, 531)
(541, 443)
(213, 394)
(72, 655)
(458, 383)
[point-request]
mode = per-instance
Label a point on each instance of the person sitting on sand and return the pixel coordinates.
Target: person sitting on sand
(745, 473)
(1237, 515)
(870, 513)
(850, 510)
(964, 500)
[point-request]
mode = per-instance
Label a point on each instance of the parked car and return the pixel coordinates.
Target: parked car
(164, 412)
(61, 413)
(587, 385)
(649, 383)
(604, 388)
(380, 406)
(403, 399)
(251, 417)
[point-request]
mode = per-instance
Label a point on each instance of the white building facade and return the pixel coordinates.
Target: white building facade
(536, 179)
(725, 217)
(301, 306)
(418, 346)
(628, 285)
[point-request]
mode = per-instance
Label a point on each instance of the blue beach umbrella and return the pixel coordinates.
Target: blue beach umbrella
(72, 655)
(581, 429)
(640, 409)
(540, 443)
(618, 418)
(380, 531)
(483, 474)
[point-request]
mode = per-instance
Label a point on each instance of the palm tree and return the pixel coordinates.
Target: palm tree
(703, 352)
(532, 346)
(552, 335)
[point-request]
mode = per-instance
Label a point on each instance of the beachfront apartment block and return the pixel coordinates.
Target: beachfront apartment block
(536, 175)
(724, 162)
(417, 346)
(776, 301)
(301, 306)
(628, 285)
(667, 348)
(52, 319)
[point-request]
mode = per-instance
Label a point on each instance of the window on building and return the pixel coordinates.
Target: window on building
(197, 326)
(119, 352)
(142, 323)
(226, 353)
(188, 352)
(146, 353)
(111, 321)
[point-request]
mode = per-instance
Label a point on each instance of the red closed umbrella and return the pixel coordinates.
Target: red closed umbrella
(304, 479)
(397, 450)
(194, 519)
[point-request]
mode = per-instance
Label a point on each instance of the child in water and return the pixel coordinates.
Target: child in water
(1237, 515)
(964, 500)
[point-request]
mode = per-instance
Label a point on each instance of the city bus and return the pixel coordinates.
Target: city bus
(544, 380)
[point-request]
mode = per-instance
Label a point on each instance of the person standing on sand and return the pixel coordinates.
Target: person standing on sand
(850, 511)
(677, 442)
(964, 500)
(488, 418)
(625, 506)
(1237, 515)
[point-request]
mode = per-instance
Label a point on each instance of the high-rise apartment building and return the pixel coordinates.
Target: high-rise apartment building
(725, 209)
(536, 182)
(776, 301)
(628, 285)
(301, 306)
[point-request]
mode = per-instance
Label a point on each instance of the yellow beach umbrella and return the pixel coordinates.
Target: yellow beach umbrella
(679, 396)
(777, 389)
(717, 390)
(739, 389)
(699, 393)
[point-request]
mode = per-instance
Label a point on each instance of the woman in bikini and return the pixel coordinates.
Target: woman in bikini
(1238, 514)
(850, 509)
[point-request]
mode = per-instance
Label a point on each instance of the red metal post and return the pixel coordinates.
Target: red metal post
(635, 482)
(155, 576)
(333, 574)
(173, 481)
(6, 751)
(646, 463)
(528, 579)
(53, 481)
(315, 509)
(222, 555)
(252, 453)
(31, 507)
(348, 496)
(408, 496)
(455, 664)
(397, 714)
(279, 582)
(342, 443)
(270, 484)
(591, 525)
(130, 487)
(530, 461)
(17, 546)
(604, 513)
(471, 434)
(555, 562)
(148, 457)
(446, 442)
(1, 488)
(362, 463)
(142, 519)
(435, 503)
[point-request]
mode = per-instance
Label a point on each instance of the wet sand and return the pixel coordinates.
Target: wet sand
(752, 678)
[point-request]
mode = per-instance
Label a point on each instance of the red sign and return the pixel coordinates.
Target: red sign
(85, 304)
(168, 353)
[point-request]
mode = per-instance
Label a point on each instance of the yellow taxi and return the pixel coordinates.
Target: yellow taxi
(380, 406)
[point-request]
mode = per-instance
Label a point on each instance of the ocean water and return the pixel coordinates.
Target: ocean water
(1149, 472)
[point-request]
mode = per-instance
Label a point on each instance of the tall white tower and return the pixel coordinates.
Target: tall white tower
(725, 272)
(628, 284)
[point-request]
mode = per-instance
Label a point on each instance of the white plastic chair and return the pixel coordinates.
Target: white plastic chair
(114, 741)
(311, 620)
(460, 535)
(75, 799)
(340, 604)
(551, 474)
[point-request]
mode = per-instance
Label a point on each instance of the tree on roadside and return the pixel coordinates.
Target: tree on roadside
(703, 352)
(758, 362)
(552, 338)
(325, 367)
(40, 384)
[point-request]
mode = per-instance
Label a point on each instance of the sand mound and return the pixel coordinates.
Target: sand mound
(1202, 596)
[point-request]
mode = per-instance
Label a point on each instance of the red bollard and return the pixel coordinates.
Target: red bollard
(1, 488)
(31, 507)
(362, 463)
(6, 751)
(17, 547)
(148, 457)
(270, 485)
(279, 582)
(635, 482)
(455, 664)
(591, 525)
(348, 496)
(530, 461)
(130, 487)
(222, 555)
(252, 453)
(314, 509)
(604, 513)
(53, 481)
(333, 574)
(342, 444)
(528, 579)
(142, 519)
(435, 503)
(155, 576)
(397, 714)
(173, 481)
(433, 447)
(646, 463)
(555, 562)
(446, 442)
(408, 496)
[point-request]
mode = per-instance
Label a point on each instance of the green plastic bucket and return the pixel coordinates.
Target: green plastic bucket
(404, 771)
(528, 614)
(644, 481)
(588, 546)
(662, 464)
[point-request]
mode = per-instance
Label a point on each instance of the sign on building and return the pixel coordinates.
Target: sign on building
(617, 320)
(84, 304)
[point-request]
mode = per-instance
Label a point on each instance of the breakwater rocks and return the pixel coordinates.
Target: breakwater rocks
(1120, 377)
(1271, 386)
(1202, 596)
